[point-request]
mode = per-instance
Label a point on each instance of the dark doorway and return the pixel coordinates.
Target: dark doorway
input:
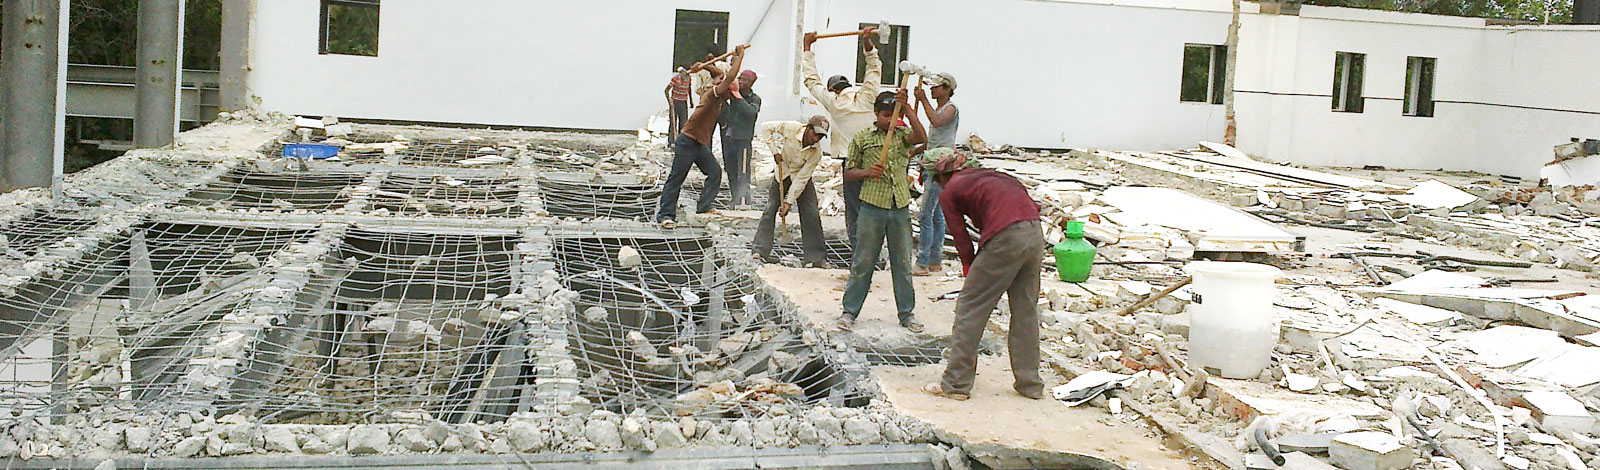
(696, 30)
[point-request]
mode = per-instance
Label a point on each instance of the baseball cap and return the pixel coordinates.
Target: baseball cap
(838, 81)
(818, 124)
(747, 73)
(945, 79)
(884, 102)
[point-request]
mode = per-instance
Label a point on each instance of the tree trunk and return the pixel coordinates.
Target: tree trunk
(1231, 135)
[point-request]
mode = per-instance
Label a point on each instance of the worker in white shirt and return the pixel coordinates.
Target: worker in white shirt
(796, 149)
(849, 108)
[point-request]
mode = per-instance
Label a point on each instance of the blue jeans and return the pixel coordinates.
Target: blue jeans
(930, 245)
(875, 226)
(735, 160)
(688, 153)
(852, 207)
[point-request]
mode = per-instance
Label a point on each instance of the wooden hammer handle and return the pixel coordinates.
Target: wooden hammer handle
(883, 158)
(723, 56)
(834, 35)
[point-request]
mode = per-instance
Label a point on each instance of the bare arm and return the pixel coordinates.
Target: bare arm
(936, 117)
(725, 87)
(918, 134)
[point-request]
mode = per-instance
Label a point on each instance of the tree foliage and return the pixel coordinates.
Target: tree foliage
(1533, 11)
(106, 32)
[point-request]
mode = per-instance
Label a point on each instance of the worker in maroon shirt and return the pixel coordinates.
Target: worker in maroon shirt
(1006, 262)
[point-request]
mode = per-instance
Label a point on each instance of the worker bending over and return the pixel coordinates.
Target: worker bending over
(796, 149)
(1006, 262)
(884, 215)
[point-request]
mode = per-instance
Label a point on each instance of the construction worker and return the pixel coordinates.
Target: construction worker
(738, 121)
(678, 100)
(703, 78)
(796, 149)
(942, 123)
(850, 109)
(884, 215)
(692, 146)
(1006, 262)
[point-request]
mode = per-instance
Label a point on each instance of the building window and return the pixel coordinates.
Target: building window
(891, 54)
(698, 33)
(350, 27)
(1348, 70)
(1419, 86)
(1205, 67)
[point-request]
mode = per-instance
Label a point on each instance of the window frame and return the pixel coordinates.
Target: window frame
(1349, 76)
(900, 39)
(323, 30)
(696, 52)
(1216, 73)
(1420, 75)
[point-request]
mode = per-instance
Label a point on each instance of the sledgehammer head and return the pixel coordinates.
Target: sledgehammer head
(883, 32)
(908, 68)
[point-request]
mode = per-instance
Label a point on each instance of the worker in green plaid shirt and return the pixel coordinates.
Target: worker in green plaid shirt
(885, 197)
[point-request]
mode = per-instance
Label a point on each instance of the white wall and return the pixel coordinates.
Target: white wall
(588, 65)
(1476, 64)
(1036, 73)
(1070, 84)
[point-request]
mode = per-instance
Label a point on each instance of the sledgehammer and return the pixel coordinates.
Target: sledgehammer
(882, 28)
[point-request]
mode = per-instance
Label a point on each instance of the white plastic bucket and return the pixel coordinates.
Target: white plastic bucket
(1232, 330)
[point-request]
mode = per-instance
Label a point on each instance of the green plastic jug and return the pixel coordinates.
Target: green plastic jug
(1074, 256)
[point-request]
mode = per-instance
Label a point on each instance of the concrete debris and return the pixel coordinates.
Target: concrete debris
(1369, 451)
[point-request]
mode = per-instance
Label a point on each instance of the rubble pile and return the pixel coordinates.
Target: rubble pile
(190, 434)
(1409, 367)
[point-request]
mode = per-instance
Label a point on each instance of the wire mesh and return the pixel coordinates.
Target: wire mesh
(330, 318)
(250, 189)
(448, 195)
(683, 320)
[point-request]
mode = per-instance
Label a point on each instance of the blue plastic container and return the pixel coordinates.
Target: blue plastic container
(315, 151)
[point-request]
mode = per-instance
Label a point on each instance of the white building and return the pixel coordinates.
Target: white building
(1032, 73)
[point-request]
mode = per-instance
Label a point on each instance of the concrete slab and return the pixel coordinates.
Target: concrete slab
(1292, 461)
(1307, 443)
(1557, 410)
(819, 293)
(996, 417)
(1247, 399)
(1369, 450)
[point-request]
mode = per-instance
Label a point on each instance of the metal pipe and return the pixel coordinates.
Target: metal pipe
(155, 121)
(30, 69)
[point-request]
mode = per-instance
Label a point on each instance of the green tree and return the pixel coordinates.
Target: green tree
(1532, 11)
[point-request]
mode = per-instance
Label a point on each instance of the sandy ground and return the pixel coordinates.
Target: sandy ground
(820, 292)
(997, 415)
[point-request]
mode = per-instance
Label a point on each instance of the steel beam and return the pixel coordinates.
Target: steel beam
(155, 121)
(30, 65)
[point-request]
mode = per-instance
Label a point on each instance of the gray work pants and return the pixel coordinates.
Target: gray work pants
(1007, 264)
(810, 222)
